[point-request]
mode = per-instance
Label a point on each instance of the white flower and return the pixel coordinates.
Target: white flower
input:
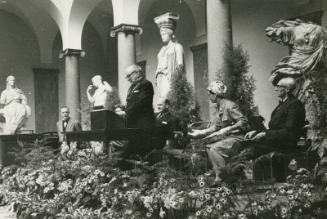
(308, 194)
(162, 213)
(241, 216)
(284, 210)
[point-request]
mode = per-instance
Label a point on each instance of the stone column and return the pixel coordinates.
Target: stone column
(219, 32)
(72, 81)
(126, 53)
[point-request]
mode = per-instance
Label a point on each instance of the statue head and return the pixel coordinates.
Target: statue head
(285, 86)
(167, 25)
(167, 34)
(134, 73)
(10, 81)
(97, 80)
(216, 89)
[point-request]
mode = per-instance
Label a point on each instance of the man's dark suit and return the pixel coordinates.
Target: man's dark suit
(71, 126)
(166, 124)
(285, 129)
(139, 110)
(286, 124)
(139, 114)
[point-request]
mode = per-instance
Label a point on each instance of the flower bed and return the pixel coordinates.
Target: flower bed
(85, 185)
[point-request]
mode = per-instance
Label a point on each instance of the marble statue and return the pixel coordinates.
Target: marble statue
(15, 109)
(99, 99)
(171, 54)
(306, 43)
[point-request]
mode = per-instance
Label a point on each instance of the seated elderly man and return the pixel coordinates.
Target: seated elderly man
(166, 124)
(285, 126)
(227, 127)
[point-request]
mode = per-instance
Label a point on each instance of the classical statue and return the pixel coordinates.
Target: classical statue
(15, 110)
(171, 54)
(306, 43)
(100, 96)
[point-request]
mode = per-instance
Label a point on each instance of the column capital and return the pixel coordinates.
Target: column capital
(72, 52)
(126, 28)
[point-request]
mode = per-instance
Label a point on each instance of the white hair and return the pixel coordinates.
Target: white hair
(289, 82)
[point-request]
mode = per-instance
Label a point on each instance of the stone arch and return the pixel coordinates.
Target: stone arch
(39, 20)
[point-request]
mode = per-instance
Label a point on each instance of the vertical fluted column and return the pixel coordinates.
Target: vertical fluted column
(126, 53)
(72, 82)
(219, 31)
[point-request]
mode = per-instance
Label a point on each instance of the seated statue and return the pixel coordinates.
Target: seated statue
(99, 99)
(15, 110)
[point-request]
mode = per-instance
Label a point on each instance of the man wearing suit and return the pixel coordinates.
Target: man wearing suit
(285, 126)
(139, 111)
(166, 125)
(66, 124)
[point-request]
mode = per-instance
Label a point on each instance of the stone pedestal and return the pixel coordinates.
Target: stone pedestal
(106, 120)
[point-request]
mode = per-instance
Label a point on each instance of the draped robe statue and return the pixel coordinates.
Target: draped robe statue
(306, 43)
(171, 54)
(15, 110)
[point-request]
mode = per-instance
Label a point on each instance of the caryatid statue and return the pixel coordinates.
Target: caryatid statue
(171, 54)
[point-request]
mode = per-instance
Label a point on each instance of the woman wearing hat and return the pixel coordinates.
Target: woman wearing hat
(227, 127)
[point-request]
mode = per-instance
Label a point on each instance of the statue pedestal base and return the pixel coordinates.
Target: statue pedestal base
(106, 120)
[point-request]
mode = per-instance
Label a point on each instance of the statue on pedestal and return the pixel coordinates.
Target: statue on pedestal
(15, 110)
(171, 54)
(99, 99)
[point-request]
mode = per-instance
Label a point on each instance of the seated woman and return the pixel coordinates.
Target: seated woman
(15, 110)
(227, 127)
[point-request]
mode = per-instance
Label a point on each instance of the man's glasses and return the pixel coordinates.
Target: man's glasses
(280, 86)
(127, 76)
(210, 92)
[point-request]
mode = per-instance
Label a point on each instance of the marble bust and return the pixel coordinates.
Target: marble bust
(102, 89)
